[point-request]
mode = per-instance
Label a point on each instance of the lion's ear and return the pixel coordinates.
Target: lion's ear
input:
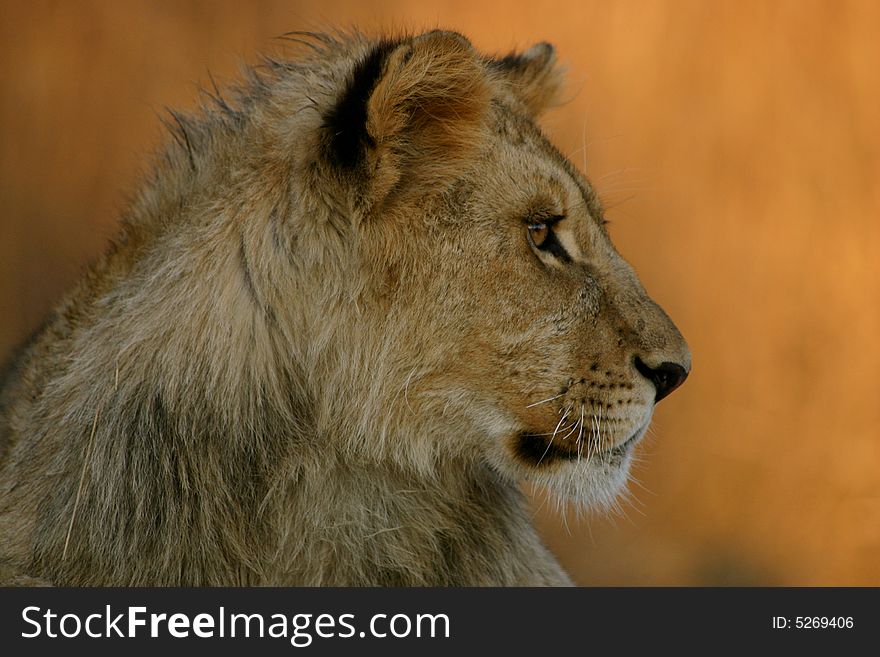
(534, 76)
(412, 110)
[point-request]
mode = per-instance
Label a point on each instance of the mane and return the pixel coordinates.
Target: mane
(183, 420)
(207, 400)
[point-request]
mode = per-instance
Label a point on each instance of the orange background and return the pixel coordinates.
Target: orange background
(737, 145)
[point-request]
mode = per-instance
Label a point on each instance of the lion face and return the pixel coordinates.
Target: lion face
(550, 343)
(519, 330)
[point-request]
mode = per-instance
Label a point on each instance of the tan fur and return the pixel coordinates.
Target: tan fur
(286, 371)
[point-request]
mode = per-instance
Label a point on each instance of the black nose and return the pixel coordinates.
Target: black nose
(666, 377)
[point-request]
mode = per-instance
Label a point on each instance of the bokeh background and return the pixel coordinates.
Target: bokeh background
(737, 146)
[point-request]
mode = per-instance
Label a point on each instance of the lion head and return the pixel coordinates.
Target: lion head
(470, 304)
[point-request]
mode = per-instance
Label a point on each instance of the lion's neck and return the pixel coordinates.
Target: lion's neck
(383, 525)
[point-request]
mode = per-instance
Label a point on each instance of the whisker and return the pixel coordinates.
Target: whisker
(544, 401)
(555, 431)
(591, 447)
(552, 433)
(571, 431)
(580, 433)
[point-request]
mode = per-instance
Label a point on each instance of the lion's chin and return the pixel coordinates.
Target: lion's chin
(589, 485)
(594, 481)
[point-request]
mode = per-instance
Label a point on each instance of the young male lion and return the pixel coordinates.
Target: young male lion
(348, 312)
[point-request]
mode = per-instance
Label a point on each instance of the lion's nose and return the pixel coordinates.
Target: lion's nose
(666, 377)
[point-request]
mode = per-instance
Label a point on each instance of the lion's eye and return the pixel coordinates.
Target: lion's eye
(538, 234)
(543, 238)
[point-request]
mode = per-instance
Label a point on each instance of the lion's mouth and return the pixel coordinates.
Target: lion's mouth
(625, 446)
(540, 449)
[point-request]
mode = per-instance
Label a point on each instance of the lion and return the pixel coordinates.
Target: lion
(359, 301)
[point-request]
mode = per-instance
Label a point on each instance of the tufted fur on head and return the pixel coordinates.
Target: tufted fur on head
(315, 352)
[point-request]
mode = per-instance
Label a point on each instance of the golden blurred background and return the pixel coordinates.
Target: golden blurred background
(737, 146)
